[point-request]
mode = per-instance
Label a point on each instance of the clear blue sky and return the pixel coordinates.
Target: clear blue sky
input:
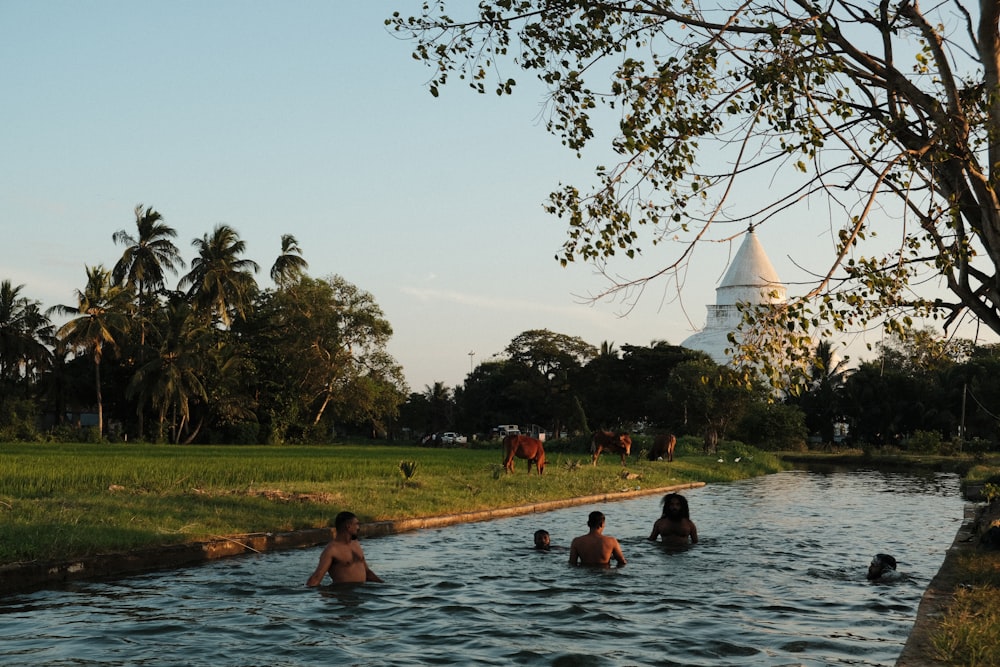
(306, 118)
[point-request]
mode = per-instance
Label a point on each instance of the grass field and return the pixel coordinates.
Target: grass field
(61, 501)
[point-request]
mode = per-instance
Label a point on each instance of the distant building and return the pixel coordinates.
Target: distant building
(751, 279)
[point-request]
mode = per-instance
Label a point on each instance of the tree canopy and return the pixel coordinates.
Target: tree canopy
(883, 115)
(218, 359)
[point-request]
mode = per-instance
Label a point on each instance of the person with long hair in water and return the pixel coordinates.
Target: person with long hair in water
(675, 526)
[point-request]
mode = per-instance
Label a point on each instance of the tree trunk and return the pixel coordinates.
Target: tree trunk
(322, 408)
(194, 433)
(100, 401)
(989, 54)
(711, 440)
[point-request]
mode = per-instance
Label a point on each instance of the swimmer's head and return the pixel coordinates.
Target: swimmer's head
(675, 506)
(881, 564)
(542, 539)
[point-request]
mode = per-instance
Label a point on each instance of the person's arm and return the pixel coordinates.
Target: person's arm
(325, 561)
(371, 576)
(616, 553)
(656, 531)
(573, 555)
(694, 534)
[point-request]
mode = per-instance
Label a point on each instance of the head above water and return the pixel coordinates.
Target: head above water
(675, 506)
(881, 564)
(542, 540)
(595, 520)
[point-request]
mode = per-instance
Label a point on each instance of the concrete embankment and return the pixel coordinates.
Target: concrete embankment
(21, 577)
(918, 649)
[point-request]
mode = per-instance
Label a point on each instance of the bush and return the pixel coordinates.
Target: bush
(18, 421)
(64, 433)
(773, 426)
(978, 446)
(924, 442)
(92, 435)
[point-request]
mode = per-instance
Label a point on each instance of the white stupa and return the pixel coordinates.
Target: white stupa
(751, 278)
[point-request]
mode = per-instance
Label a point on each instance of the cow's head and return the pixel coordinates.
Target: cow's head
(626, 443)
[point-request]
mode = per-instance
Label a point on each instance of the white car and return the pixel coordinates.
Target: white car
(452, 438)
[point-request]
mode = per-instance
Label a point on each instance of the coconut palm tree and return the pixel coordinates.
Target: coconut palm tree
(147, 255)
(822, 399)
(26, 336)
(290, 263)
(174, 376)
(99, 318)
(220, 282)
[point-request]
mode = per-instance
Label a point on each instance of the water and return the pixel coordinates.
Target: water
(777, 579)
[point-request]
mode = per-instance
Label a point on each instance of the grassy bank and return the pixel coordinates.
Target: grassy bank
(62, 501)
(968, 632)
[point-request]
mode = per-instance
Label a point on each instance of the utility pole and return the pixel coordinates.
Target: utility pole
(961, 428)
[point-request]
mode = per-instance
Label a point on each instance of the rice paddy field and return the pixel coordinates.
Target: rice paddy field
(60, 501)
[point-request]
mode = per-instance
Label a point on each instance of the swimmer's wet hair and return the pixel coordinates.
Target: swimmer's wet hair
(343, 518)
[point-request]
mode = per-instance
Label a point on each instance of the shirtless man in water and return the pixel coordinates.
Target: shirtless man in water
(595, 548)
(675, 525)
(343, 557)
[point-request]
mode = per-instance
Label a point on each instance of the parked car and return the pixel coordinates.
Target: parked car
(452, 438)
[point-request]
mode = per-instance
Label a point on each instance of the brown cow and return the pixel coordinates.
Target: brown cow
(663, 447)
(523, 447)
(612, 442)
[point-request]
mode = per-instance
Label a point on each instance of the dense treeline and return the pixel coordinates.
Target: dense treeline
(218, 359)
(920, 394)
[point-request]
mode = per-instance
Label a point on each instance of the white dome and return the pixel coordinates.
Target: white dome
(751, 278)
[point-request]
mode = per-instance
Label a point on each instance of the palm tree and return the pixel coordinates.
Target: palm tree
(102, 315)
(290, 263)
(174, 377)
(821, 403)
(146, 255)
(440, 399)
(26, 335)
(220, 282)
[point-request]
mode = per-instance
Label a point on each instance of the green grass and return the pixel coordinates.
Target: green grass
(969, 631)
(63, 501)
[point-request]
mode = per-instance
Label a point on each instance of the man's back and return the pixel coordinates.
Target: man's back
(595, 548)
(592, 549)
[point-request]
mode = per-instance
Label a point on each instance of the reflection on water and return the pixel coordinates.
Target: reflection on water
(777, 579)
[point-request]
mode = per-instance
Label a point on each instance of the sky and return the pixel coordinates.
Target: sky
(309, 118)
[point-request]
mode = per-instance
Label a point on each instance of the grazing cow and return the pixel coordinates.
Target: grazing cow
(663, 447)
(612, 442)
(523, 447)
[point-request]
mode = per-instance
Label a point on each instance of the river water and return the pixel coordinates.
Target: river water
(778, 578)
